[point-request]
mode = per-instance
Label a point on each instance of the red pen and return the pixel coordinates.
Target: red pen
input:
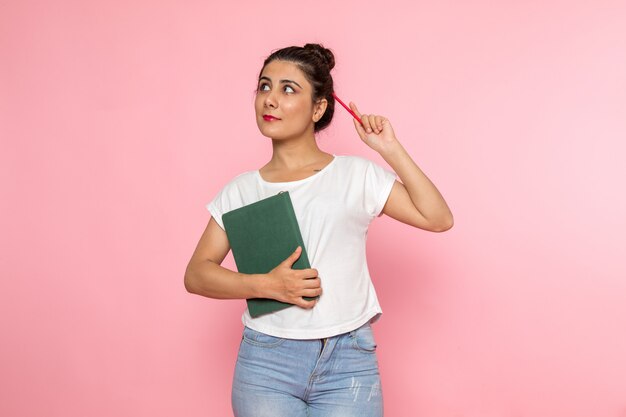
(348, 108)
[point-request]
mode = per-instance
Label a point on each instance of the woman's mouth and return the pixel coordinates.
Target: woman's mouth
(269, 118)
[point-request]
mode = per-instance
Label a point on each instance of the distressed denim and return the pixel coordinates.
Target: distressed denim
(277, 377)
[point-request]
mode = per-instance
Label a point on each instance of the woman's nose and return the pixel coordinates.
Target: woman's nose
(270, 99)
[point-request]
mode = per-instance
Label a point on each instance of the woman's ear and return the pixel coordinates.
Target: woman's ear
(319, 109)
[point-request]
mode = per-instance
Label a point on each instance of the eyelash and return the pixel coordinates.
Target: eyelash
(262, 85)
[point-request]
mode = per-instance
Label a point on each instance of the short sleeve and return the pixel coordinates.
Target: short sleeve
(221, 203)
(236, 193)
(378, 184)
(216, 209)
(216, 212)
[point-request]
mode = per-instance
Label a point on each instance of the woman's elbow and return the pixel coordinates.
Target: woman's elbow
(445, 225)
(189, 281)
(442, 225)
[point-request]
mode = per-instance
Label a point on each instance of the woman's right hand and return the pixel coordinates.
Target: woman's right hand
(290, 285)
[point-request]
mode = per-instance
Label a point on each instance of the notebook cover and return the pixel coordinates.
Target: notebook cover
(262, 235)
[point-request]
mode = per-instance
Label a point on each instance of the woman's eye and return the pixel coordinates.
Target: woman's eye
(264, 87)
(289, 89)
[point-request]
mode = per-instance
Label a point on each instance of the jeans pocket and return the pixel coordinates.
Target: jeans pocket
(363, 339)
(257, 338)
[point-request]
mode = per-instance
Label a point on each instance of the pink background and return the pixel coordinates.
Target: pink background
(119, 120)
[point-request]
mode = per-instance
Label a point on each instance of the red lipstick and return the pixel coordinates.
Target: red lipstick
(269, 118)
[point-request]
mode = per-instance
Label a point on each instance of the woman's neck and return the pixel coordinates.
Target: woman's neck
(291, 155)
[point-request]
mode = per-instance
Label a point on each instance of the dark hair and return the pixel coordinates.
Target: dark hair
(315, 62)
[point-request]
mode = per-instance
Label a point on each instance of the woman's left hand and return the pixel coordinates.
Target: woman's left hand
(376, 131)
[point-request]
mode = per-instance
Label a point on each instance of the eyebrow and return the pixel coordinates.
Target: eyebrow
(281, 81)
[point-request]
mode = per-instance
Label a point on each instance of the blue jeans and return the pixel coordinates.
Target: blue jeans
(338, 376)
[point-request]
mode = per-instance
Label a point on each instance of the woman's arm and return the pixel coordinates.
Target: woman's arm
(204, 275)
(414, 201)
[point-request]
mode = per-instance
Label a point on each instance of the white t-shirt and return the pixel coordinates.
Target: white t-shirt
(334, 208)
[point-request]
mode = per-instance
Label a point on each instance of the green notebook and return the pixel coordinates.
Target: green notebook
(261, 236)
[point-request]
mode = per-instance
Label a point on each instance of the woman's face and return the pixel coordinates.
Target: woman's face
(284, 106)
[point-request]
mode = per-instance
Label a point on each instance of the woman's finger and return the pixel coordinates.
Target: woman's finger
(359, 129)
(354, 109)
(312, 283)
(311, 292)
(365, 123)
(291, 259)
(363, 117)
(379, 123)
(301, 302)
(309, 273)
(373, 123)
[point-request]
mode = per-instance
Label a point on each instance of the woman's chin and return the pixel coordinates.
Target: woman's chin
(271, 135)
(268, 131)
(273, 131)
(275, 134)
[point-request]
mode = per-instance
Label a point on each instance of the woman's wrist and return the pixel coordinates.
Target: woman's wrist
(392, 152)
(256, 285)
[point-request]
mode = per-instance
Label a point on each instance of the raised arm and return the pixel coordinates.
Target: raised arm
(414, 201)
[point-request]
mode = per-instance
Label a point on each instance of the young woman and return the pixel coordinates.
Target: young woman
(316, 358)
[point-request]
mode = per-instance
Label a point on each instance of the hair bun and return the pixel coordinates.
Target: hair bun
(324, 53)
